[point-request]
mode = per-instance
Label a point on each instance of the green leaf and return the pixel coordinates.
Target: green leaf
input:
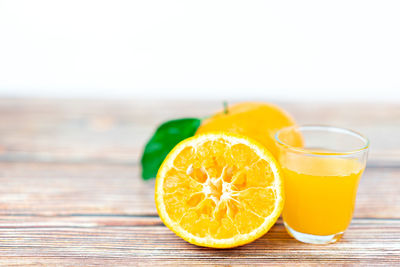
(166, 137)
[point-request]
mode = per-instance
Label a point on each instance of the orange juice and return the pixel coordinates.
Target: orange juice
(320, 193)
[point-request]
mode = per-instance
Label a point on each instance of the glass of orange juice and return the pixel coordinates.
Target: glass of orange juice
(321, 176)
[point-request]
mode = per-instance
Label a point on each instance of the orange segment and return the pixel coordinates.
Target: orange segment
(219, 190)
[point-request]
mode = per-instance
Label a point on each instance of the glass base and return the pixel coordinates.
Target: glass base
(313, 239)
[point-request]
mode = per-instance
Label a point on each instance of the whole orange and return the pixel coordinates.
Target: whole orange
(256, 120)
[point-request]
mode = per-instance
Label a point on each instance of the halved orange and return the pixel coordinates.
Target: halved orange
(219, 190)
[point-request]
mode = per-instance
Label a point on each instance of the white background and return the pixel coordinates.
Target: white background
(342, 50)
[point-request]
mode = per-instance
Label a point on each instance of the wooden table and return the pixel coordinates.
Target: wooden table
(71, 193)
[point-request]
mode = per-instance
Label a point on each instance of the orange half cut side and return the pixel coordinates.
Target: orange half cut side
(219, 190)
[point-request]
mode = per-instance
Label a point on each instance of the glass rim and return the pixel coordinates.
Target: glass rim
(326, 128)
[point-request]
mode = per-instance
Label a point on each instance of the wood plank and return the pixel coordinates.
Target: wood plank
(71, 193)
(57, 189)
(366, 242)
(89, 188)
(115, 131)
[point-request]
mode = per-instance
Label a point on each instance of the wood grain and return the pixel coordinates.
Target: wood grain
(89, 188)
(71, 194)
(367, 241)
(115, 131)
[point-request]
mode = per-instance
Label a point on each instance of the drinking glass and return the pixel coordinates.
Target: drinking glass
(321, 177)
